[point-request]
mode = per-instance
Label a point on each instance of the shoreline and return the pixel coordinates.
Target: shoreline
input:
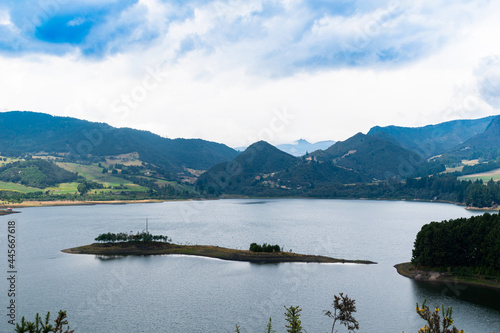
(159, 248)
(406, 269)
(43, 203)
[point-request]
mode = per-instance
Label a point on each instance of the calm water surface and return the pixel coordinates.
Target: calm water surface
(194, 294)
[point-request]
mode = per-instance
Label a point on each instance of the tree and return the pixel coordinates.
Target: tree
(292, 316)
(343, 308)
(269, 327)
(82, 188)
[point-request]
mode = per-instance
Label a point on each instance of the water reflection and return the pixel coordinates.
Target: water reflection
(108, 257)
(477, 295)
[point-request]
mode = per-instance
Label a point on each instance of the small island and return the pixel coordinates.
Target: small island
(159, 248)
(147, 244)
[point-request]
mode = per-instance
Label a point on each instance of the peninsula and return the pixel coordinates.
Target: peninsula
(410, 271)
(162, 248)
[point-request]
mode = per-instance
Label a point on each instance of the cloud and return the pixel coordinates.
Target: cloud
(221, 68)
(270, 37)
(488, 80)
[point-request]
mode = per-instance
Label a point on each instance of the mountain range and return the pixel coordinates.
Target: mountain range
(383, 154)
(32, 133)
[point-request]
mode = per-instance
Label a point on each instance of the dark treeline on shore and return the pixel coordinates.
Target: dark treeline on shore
(446, 188)
(466, 245)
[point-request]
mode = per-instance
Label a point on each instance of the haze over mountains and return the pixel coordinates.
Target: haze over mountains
(300, 147)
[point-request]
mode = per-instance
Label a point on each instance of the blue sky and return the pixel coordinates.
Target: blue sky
(238, 71)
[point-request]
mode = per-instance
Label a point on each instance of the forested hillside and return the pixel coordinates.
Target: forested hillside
(35, 173)
(79, 140)
(432, 140)
(465, 245)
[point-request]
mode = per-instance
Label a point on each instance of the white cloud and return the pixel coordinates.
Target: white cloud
(76, 21)
(223, 72)
(4, 17)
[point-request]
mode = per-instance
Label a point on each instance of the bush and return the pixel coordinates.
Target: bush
(254, 247)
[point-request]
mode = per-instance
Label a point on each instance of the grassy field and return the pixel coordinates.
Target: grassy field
(94, 173)
(112, 183)
(64, 188)
(125, 159)
(8, 160)
(17, 187)
(484, 176)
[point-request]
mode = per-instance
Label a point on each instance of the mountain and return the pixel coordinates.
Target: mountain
(433, 140)
(483, 145)
(30, 132)
(373, 156)
(302, 147)
(263, 170)
(259, 160)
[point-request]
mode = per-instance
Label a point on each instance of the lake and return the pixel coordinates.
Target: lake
(195, 294)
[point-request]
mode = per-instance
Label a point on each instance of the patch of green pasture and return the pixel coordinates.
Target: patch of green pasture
(180, 187)
(18, 187)
(64, 188)
(93, 173)
(9, 160)
(484, 178)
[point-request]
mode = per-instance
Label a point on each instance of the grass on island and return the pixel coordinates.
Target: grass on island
(159, 248)
(410, 271)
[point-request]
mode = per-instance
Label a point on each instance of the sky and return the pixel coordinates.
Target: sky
(236, 72)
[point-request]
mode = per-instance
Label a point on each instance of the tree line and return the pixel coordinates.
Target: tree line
(466, 245)
(254, 247)
(145, 237)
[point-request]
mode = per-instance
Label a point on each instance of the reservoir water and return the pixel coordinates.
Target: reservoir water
(195, 294)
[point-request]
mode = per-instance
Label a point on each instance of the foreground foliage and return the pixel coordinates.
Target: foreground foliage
(44, 326)
(436, 324)
(343, 309)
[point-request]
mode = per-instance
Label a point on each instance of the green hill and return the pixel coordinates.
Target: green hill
(372, 156)
(432, 140)
(35, 173)
(485, 145)
(257, 163)
(80, 140)
(263, 170)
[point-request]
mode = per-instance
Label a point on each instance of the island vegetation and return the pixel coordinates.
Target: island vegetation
(464, 249)
(144, 243)
(254, 247)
